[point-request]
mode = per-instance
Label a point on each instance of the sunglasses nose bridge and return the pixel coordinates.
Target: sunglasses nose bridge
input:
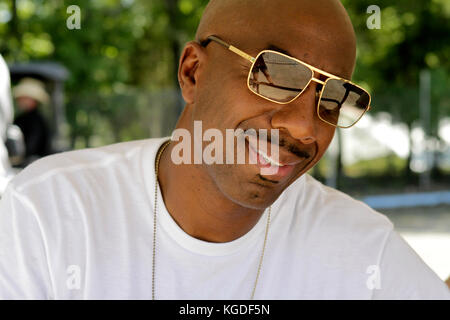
(313, 79)
(318, 81)
(311, 85)
(298, 116)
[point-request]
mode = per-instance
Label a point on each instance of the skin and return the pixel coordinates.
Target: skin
(220, 203)
(26, 103)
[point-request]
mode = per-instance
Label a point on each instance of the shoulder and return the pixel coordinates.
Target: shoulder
(326, 213)
(327, 202)
(84, 183)
(78, 164)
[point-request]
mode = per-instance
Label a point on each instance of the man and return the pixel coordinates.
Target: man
(29, 95)
(96, 224)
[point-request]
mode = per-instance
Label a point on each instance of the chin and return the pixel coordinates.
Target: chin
(242, 185)
(252, 197)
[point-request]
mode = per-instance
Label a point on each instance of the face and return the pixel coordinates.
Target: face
(222, 100)
(26, 103)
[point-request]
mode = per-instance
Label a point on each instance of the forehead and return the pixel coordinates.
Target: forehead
(319, 37)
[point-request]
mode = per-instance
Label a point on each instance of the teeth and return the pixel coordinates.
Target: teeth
(269, 159)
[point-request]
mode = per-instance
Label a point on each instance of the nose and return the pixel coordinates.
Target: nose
(299, 117)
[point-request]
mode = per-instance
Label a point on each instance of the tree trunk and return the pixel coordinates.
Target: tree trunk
(408, 172)
(14, 30)
(172, 10)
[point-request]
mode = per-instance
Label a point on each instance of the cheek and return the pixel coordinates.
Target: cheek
(214, 108)
(322, 142)
(324, 138)
(223, 102)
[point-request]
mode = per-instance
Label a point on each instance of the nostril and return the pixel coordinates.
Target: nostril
(307, 140)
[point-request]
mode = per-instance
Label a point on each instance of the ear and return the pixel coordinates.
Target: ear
(192, 57)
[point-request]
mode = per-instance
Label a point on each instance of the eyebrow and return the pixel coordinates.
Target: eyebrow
(275, 48)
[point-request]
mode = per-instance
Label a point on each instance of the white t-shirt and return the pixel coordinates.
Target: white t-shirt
(6, 117)
(79, 225)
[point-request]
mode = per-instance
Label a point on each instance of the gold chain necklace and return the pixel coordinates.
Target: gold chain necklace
(158, 157)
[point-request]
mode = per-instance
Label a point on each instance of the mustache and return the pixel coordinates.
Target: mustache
(293, 149)
(282, 143)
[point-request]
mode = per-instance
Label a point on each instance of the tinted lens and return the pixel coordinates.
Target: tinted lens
(278, 77)
(342, 103)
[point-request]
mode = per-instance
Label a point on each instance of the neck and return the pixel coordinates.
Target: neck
(198, 206)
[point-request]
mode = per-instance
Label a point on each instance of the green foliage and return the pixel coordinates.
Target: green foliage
(127, 50)
(391, 164)
(413, 37)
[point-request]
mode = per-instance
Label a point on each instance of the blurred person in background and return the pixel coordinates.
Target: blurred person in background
(29, 95)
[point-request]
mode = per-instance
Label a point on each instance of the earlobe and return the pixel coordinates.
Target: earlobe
(190, 59)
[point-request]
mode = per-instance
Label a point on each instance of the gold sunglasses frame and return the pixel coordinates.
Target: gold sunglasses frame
(310, 67)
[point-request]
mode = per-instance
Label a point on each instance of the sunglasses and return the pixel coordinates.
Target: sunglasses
(280, 78)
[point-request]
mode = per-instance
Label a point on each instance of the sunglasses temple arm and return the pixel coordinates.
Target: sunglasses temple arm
(242, 54)
(232, 48)
(219, 41)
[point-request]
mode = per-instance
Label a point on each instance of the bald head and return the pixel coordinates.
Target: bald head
(302, 27)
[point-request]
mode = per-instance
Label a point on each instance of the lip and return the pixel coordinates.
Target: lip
(271, 170)
(284, 158)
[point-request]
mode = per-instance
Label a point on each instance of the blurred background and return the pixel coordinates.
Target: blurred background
(114, 79)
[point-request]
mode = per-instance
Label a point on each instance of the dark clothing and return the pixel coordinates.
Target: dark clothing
(36, 133)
